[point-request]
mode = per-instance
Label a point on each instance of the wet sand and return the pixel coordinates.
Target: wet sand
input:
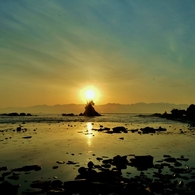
(60, 149)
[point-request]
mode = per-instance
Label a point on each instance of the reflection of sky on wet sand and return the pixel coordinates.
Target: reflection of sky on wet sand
(78, 142)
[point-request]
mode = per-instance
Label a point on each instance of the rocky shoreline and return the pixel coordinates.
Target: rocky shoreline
(16, 114)
(185, 116)
(170, 176)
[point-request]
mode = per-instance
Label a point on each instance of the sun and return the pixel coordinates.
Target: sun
(89, 93)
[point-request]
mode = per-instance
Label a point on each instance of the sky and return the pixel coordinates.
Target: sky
(128, 51)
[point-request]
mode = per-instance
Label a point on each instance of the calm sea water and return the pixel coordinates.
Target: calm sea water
(54, 137)
(116, 118)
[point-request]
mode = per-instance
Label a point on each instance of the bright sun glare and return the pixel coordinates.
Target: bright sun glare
(89, 94)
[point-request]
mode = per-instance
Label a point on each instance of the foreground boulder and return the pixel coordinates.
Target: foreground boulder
(142, 161)
(8, 188)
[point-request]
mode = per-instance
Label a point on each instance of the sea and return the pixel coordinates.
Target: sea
(61, 144)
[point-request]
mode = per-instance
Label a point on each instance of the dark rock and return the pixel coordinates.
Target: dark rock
(134, 130)
(120, 162)
(14, 177)
(178, 170)
(178, 113)
(107, 161)
(190, 112)
(151, 130)
(32, 191)
(27, 137)
(90, 164)
(170, 159)
(119, 129)
(77, 185)
(22, 114)
(157, 187)
(40, 184)
(99, 158)
(6, 173)
(59, 191)
(18, 129)
(7, 188)
(13, 114)
(89, 110)
(177, 164)
(69, 114)
(28, 168)
(71, 163)
(3, 168)
(183, 159)
(56, 184)
(60, 162)
(142, 161)
(82, 170)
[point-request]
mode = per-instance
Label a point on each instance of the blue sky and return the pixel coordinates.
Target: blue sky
(129, 51)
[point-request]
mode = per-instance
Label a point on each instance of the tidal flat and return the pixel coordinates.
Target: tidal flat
(61, 149)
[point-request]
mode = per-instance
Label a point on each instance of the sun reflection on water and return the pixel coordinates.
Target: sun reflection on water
(89, 133)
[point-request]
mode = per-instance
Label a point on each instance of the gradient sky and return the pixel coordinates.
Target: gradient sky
(128, 50)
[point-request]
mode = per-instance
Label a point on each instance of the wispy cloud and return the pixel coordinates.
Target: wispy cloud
(123, 43)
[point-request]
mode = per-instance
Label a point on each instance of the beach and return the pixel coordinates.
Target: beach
(49, 149)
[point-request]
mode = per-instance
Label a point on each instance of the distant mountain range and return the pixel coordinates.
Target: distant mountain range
(106, 108)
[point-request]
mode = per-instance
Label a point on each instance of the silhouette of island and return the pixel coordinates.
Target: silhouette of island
(90, 110)
(187, 115)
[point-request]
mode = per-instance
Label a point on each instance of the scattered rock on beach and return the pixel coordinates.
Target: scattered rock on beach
(28, 168)
(151, 130)
(119, 129)
(109, 179)
(18, 129)
(40, 184)
(142, 161)
(60, 162)
(27, 137)
(8, 188)
(3, 168)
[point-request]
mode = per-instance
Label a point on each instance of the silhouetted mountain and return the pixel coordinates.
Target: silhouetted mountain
(106, 108)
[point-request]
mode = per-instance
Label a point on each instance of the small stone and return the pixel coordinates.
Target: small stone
(60, 162)
(98, 158)
(170, 159)
(18, 129)
(71, 163)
